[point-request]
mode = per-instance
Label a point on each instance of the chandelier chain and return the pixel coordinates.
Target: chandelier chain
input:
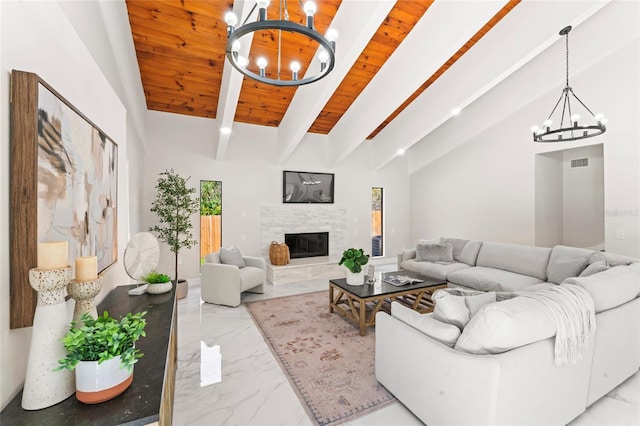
(567, 50)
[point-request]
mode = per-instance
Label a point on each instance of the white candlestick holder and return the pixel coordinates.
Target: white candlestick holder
(83, 293)
(44, 387)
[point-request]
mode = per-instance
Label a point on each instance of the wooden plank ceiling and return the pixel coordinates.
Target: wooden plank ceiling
(180, 47)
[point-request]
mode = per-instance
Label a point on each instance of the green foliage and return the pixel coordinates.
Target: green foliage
(354, 259)
(155, 277)
(174, 205)
(102, 339)
(210, 198)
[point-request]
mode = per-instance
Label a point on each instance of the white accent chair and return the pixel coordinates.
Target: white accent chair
(222, 284)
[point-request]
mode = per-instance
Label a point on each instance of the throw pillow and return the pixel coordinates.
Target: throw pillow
(434, 253)
(450, 309)
(457, 244)
(594, 268)
(564, 268)
(425, 323)
(505, 325)
(231, 256)
(469, 253)
(474, 303)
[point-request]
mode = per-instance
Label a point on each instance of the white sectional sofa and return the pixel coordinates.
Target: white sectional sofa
(499, 369)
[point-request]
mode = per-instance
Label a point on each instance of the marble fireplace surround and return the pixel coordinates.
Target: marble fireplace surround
(277, 220)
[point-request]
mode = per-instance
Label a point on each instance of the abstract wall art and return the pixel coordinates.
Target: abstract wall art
(64, 174)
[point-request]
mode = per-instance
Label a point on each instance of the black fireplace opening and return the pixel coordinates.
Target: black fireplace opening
(307, 244)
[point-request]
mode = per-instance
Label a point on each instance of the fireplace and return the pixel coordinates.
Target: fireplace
(307, 244)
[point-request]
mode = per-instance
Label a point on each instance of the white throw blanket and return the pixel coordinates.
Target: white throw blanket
(574, 313)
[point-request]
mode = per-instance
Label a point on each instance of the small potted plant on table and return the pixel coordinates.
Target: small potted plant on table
(102, 351)
(354, 259)
(158, 283)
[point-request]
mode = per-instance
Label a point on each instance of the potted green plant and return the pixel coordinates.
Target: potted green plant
(102, 351)
(158, 283)
(354, 259)
(174, 205)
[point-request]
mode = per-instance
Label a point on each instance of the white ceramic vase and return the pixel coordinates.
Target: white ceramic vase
(355, 278)
(159, 288)
(97, 383)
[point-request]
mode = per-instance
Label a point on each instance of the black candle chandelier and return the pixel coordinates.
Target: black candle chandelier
(569, 126)
(325, 53)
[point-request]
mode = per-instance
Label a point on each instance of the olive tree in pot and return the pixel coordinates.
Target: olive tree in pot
(174, 205)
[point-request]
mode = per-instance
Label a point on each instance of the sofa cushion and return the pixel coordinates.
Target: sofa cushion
(425, 323)
(525, 260)
(434, 253)
(431, 269)
(231, 256)
(469, 252)
(212, 257)
(457, 244)
(457, 309)
(566, 262)
(499, 327)
(594, 268)
(487, 279)
(610, 288)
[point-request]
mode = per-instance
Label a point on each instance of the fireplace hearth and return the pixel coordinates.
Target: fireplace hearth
(307, 244)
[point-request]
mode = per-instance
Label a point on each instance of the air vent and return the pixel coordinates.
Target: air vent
(580, 162)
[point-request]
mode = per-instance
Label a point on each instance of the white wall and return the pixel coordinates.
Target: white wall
(485, 188)
(37, 37)
(251, 178)
(583, 198)
(549, 199)
(104, 29)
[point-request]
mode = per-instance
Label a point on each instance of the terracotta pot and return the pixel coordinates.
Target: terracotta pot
(97, 383)
(355, 278)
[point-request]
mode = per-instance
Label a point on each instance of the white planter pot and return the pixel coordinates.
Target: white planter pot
(355, 279)
(97, 383)
(159, 288)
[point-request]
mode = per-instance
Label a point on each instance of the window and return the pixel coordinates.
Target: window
(210, 217)
(377, 246)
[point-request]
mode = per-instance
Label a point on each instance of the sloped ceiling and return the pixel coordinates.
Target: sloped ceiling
(392, 58)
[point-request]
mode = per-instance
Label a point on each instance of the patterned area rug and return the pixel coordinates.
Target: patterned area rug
(329, 364)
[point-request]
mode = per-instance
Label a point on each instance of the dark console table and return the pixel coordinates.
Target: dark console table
(149, 399)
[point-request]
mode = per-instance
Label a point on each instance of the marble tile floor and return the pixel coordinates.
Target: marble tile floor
(255, 391)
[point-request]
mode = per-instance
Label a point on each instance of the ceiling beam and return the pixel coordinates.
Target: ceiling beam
(356, 22)
(493, 59)
(230, 88)
(439, 34)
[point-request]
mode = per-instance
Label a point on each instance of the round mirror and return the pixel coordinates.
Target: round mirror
(141, 255)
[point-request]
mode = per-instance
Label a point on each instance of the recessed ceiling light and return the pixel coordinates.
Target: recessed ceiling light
(455, 111)
(225, 130)
(400, 152)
